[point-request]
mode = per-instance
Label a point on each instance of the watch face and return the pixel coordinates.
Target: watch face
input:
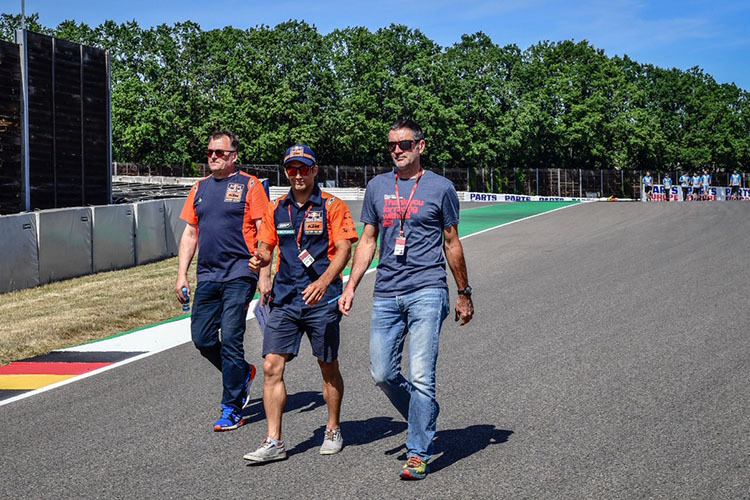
(465, 291)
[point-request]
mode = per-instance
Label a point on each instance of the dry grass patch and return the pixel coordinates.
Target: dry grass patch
(71, 312)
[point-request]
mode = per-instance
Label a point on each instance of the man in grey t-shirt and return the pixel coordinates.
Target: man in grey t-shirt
(412, 210)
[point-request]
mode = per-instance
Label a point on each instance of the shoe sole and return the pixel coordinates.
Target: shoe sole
(411, 475)
(330, 452)
(249, 383)
(218, 428)
(253, 458)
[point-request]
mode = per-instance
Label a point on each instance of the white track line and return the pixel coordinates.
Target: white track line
(178, 332)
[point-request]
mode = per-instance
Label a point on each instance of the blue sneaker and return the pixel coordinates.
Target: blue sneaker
(246, 389)
(230, 419)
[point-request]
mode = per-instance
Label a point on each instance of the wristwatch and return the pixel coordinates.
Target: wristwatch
(465, 291)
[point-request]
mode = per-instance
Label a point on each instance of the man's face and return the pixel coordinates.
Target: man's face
(405, 159)
(221, 156)
(295, 172)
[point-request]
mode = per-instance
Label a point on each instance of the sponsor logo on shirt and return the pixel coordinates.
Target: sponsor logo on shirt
(234, 192)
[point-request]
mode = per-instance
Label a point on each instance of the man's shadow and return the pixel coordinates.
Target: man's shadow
(357, 432)
(302, 401)
(453, 445)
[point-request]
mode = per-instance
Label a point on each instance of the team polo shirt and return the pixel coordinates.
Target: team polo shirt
(320, 223)
(706, 179)
(685, 180)
(735, 179)
(696, 181)
(648, 180)
(667, 182)
(225, 211)
(434, 207)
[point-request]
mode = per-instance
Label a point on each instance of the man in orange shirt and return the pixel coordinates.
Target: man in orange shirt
(223, 213)
(314, 232)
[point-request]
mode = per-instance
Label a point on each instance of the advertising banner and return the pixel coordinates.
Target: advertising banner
(720, 193)
(500, 197)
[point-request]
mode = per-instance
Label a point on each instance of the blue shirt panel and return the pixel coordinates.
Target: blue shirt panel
(292, 277)
(434, 207)
(222, 251)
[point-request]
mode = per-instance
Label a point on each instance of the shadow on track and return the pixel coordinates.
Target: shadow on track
(301, 401)
(357, 432)
(456, 444)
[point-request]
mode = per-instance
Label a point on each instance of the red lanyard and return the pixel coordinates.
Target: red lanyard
(299, 233)
(401, 215)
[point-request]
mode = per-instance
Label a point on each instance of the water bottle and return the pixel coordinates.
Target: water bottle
(186, 304)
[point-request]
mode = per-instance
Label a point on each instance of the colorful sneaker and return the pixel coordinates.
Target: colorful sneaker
(267, 452)
(332, 442)
(246, 389)
(415, 468)
(230, 419)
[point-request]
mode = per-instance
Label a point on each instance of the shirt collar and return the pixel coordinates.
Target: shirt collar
(315, 198)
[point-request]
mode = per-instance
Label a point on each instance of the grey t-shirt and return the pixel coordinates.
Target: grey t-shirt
(433, 208)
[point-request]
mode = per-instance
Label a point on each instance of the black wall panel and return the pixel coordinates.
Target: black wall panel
(68, 139)
(95, 86)
(12, 199)
(41, 121)
(68, 124)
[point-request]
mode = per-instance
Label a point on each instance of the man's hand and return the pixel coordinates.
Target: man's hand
(264, 287)
(181, 282)
(464, 309)
(255, 263)
(314, 292)
(346, 301)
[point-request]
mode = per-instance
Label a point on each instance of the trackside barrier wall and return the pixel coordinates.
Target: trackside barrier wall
(65, 244)
(50, 245)
(150, 232)
(174, 225)
(114, 237)
(19, 265)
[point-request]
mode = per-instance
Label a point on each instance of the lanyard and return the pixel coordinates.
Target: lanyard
(299, 233)
(402, 215)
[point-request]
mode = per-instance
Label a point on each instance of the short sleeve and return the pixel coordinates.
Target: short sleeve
(340, 223)
(257, 199)
(369, 214)
(450, 207)
(267, 232)
(188, 209)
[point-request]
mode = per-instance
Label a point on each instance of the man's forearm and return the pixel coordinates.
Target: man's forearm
(363, 255)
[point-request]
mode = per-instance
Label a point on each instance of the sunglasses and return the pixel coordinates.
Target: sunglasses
(403, 145)
(303, 170)
(220, 153)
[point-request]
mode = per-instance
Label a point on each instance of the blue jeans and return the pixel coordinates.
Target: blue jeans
(223, 305)
(421, 314)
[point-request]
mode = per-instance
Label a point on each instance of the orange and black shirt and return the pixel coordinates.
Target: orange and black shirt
(315, 227)
(225, 211)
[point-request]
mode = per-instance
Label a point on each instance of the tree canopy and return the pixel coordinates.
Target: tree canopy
(555, 104)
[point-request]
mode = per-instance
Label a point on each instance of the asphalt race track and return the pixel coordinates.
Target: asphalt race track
(609, 358)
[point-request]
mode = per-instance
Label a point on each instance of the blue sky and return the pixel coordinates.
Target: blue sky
(712, 35)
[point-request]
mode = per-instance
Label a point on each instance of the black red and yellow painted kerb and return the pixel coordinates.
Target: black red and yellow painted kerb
(40, 371)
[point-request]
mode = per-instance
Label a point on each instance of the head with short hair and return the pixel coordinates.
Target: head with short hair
(407, 123)
(218, 134)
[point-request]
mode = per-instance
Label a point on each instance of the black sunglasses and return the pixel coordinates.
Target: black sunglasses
(220, 153)
(405, 145)
(303, 170)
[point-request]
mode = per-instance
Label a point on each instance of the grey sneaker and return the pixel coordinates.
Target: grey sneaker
(267, 452)
(332, 442)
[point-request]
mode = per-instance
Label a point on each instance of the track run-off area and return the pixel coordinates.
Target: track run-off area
(609, 357)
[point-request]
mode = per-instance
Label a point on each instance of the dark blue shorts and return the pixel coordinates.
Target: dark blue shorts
(286, 324)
